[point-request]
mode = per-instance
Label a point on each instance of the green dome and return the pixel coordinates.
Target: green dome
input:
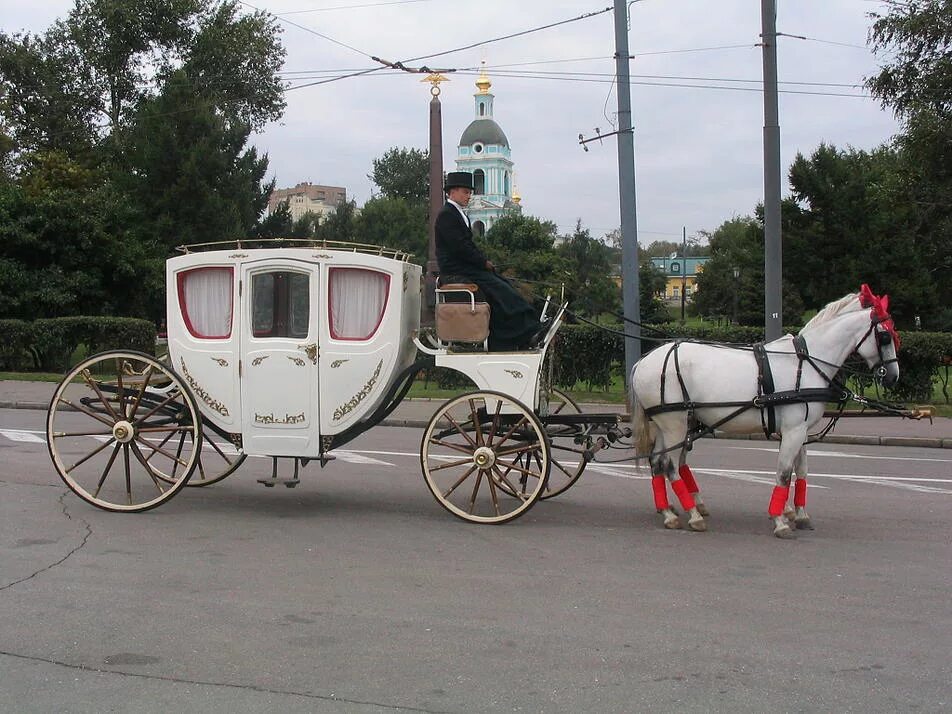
(485, 131)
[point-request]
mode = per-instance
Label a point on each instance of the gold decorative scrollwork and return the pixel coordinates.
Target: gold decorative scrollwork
(238, 255)
(406, 279)
(344, 409)
(287, 419)
(322, 255)
(298, 361)
(338, 362)
(220, 362)
(258, 360)
(200, 392)
(514, 372)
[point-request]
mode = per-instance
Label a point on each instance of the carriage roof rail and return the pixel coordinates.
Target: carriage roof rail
(250, 243)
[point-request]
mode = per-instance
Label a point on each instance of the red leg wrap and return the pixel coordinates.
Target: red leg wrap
(660, 492)
(681, 489)
(684, 471)
(800, 493)
(778, 500)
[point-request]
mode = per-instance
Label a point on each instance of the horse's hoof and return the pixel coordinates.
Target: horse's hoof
(703, 510)
(699, 525)
(803, 524)
(789, 513)
(672, 522)
(784, 531)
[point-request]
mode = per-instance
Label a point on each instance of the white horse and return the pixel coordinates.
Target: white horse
(683, 386)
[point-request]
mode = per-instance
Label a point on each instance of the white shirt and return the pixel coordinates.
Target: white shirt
(460, 209)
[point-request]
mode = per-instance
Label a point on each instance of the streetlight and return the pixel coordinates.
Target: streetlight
(736, 280)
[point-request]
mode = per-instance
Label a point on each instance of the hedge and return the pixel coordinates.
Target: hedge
(48, 345)
(590, 354)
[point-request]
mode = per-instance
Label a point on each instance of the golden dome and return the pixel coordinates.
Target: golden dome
(482, 82)
(516, 198)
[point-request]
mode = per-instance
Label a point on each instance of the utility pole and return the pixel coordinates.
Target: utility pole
(428, 307)
(626, 192)
(773, 251)
(684, 268)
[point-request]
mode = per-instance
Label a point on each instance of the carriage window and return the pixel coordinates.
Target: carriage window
(280, 304)
(205, 299)
(358, 299)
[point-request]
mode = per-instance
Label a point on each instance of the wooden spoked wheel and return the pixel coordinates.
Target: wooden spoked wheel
(568, 444)
(485, 457)
(111, 431)
(220, 459)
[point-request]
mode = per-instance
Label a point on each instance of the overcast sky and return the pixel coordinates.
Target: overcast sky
(697, 104)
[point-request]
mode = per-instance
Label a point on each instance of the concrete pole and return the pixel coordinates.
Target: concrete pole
(773, 245)
(428, 307)
(626, 192)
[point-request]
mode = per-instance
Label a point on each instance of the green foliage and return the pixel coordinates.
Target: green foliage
(852, 224)
(589, 287)
(523, 247)
(276, 224)
(919, 358)
(49, 344)
(89, 210)
(403, 173)
(651, 284)
(586, 354)
(395, 223)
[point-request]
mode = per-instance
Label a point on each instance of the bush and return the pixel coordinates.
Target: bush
(49, 344)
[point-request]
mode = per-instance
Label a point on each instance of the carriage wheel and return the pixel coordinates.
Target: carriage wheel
(111, 430)
(568, 442)
(485, 457)
(219, 458)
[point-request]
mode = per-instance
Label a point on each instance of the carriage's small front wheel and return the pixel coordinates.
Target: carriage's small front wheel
(485, 457)
(116, 421)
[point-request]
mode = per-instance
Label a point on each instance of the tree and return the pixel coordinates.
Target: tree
(189, 172)
(651, 283)
(341, 225)
(395, 223)
(131, 118)
(914, 40)
(589, 285)
(739, 244)
(403, 173)
(852, 221)
(522, 248)
(277, 224)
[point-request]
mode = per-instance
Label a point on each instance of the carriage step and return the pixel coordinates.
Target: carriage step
(288, 482)
(271, 482)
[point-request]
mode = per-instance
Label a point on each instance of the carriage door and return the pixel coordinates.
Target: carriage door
(279, 400)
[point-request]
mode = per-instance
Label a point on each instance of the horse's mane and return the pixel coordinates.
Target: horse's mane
(847, 303)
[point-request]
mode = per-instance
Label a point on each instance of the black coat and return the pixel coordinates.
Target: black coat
(512, 320)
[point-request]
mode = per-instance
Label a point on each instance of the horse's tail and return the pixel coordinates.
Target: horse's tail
(644, 433)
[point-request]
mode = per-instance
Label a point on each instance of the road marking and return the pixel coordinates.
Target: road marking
(23, 436)
(843, 455)
(354, 457)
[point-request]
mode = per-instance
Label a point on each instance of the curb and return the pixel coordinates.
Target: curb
(913, 441)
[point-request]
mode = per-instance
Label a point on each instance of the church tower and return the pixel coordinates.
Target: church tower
(484, 151)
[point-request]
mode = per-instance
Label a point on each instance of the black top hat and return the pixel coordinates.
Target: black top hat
(458, 179)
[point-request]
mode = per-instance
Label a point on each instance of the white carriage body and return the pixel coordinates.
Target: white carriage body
(289, 346)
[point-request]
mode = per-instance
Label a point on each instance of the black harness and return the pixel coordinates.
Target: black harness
(767, 397)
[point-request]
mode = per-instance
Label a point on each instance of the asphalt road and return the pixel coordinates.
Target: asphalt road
(356, 592)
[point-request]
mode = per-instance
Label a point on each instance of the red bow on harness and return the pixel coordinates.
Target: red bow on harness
(879, 312)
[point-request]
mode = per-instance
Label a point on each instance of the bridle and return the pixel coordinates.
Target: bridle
(881, 328)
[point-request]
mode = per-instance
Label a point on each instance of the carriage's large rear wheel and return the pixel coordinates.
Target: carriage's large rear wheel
(485, 457)
(116, 421)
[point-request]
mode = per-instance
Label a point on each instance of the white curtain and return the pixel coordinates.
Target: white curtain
(358, 298)
(207, 303)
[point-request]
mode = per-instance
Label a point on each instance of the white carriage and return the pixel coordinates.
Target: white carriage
(289, 349)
